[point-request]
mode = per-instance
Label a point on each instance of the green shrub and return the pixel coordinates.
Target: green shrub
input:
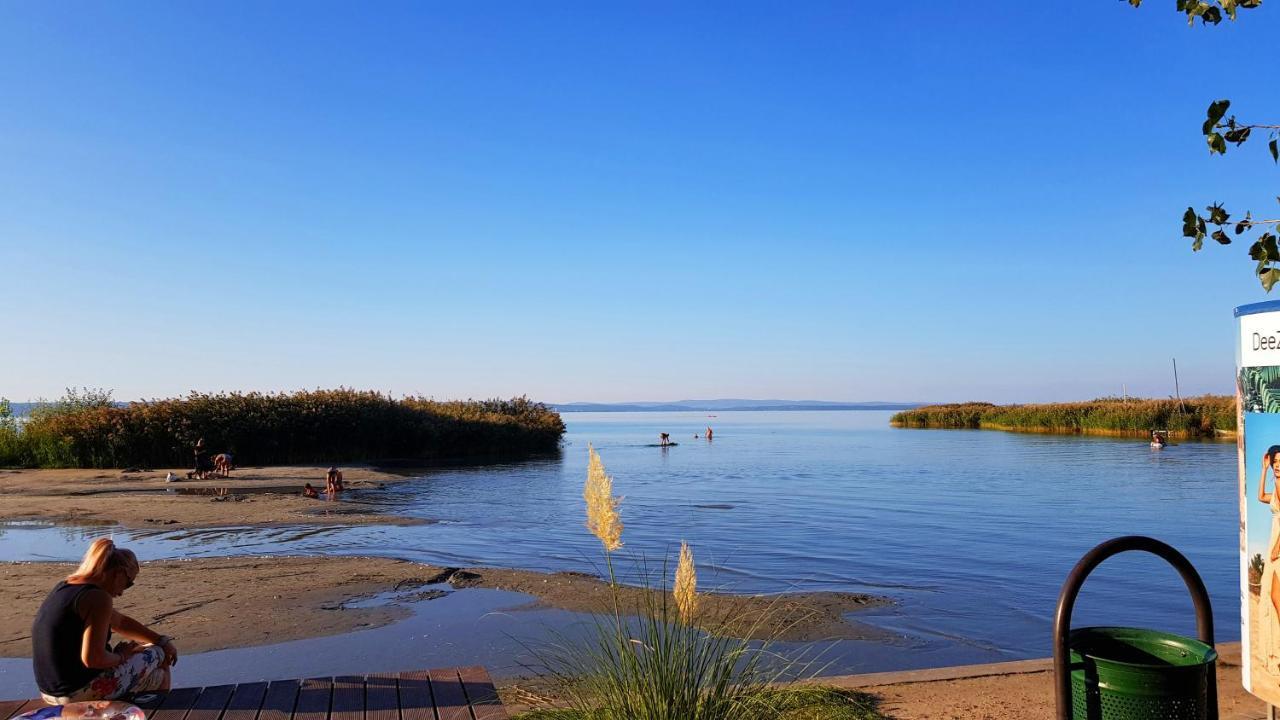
(316, 426)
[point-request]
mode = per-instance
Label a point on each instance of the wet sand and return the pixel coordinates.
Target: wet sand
(798, 617)
(210, 604)
(216, 603)
(251, 496)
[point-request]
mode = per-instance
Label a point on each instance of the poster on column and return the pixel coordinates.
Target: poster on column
(1258, 447)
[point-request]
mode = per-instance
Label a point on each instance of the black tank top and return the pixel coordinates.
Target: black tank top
(57, 636)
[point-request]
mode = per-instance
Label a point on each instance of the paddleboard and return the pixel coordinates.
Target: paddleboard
(88, 710)
(661, 445)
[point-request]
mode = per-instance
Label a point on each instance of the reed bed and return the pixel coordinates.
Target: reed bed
(1206, 416)
(314, 426)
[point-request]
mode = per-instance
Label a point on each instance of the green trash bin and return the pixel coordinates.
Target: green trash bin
(1134, 674)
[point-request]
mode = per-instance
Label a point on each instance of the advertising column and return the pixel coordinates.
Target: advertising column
(1258, 444)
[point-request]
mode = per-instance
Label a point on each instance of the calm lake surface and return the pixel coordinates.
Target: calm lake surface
(971, 532)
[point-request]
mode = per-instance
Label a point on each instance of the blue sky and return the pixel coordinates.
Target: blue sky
(905, 201)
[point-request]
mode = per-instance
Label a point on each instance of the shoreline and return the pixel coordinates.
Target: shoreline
(221, 603)
(1218, 435)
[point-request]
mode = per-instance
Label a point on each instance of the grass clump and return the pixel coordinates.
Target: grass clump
(803, 702)
(88, 429)
(663, 658)
(1199, 417)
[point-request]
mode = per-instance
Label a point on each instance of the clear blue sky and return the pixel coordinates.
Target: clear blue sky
(898, 201)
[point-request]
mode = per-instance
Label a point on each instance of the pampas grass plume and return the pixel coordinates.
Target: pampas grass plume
(685, 588)
(602, 507)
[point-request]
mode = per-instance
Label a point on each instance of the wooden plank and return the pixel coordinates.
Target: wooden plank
(175, 704)
(451, 701)
(26, 706)
(245, 701)
(313, 699)
(415, 696)
(10, 707)
(348, 698)
(481, 693)
(381, 699)
(211, 702)
(282, 696)
(149, 702)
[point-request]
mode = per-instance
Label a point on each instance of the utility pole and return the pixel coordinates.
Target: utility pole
(1176, 391)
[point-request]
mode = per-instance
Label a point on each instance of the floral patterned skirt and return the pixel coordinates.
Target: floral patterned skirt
(142, 672)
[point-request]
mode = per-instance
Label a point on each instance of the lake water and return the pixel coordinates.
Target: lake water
(971, 532)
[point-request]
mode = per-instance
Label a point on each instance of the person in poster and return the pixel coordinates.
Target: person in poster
(1268, 621)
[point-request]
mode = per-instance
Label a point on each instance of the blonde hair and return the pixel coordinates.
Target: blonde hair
(102, 555)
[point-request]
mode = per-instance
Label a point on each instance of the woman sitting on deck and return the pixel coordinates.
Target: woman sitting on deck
(70, 637)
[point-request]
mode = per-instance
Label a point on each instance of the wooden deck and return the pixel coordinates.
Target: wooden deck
(445, 694)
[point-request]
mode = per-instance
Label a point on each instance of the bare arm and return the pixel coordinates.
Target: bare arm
(1263, 495)
(132, 629)
(95, 607)
(135, 630)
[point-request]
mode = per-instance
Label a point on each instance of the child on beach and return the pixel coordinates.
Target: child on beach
(310, 492)
(333, 481)
(222, 464)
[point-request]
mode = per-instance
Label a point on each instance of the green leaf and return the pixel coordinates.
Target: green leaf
(1230, 7)
(1221, 237)
(1268, 243)
(1275, 150)
(1269, 278)
(1259, 253)
(1212, 15)
(1216, 144)
(1197, 244)
(1237, 136)
(1217, 109)
(1217, 214)
(1190, 221)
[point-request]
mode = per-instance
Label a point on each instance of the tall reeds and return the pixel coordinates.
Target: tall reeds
(313, 426)
(1205, 416)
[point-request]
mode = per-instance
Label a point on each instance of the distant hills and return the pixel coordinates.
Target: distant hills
(731, 404)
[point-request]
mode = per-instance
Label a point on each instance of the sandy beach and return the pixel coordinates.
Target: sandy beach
(251, 496)
(1022, 690)
(216, 603)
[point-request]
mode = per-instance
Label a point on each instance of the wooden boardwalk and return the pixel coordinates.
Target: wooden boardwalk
(445, 694)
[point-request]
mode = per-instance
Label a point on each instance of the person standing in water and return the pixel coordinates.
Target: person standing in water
(709, 432)
(664, 439)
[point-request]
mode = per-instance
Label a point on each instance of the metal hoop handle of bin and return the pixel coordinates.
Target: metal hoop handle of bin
(1071, 588)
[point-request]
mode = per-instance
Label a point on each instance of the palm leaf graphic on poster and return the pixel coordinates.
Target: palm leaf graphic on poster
(1260, 389)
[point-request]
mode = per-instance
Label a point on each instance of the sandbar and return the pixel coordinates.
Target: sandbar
(141, 499)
